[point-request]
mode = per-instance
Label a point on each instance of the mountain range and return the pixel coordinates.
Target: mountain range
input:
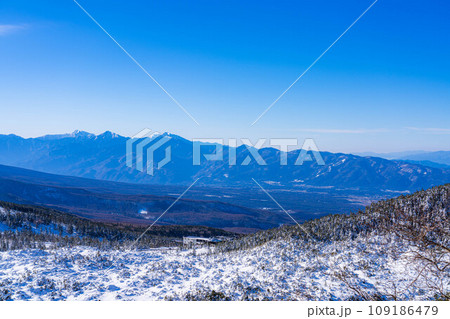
(103, 157)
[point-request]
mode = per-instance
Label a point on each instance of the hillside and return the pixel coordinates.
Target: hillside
(396, 249)
(28, 227)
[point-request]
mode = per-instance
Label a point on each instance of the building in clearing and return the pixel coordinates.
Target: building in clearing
(192, 240)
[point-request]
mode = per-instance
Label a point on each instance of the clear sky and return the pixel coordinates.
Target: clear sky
(384, 86)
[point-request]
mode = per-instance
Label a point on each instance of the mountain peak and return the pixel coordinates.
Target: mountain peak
(81, 134)
(74, 134)
(108, 135)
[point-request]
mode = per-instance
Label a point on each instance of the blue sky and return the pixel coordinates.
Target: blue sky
(384, 86)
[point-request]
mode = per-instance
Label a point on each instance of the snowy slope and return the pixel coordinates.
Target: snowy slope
(278, 270)
(398, 249)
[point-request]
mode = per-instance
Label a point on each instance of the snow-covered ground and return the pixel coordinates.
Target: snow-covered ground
(278, 270)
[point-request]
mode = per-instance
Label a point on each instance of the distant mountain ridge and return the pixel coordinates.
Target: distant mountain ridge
(419, 157)
(103, 157)
(440, 157)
